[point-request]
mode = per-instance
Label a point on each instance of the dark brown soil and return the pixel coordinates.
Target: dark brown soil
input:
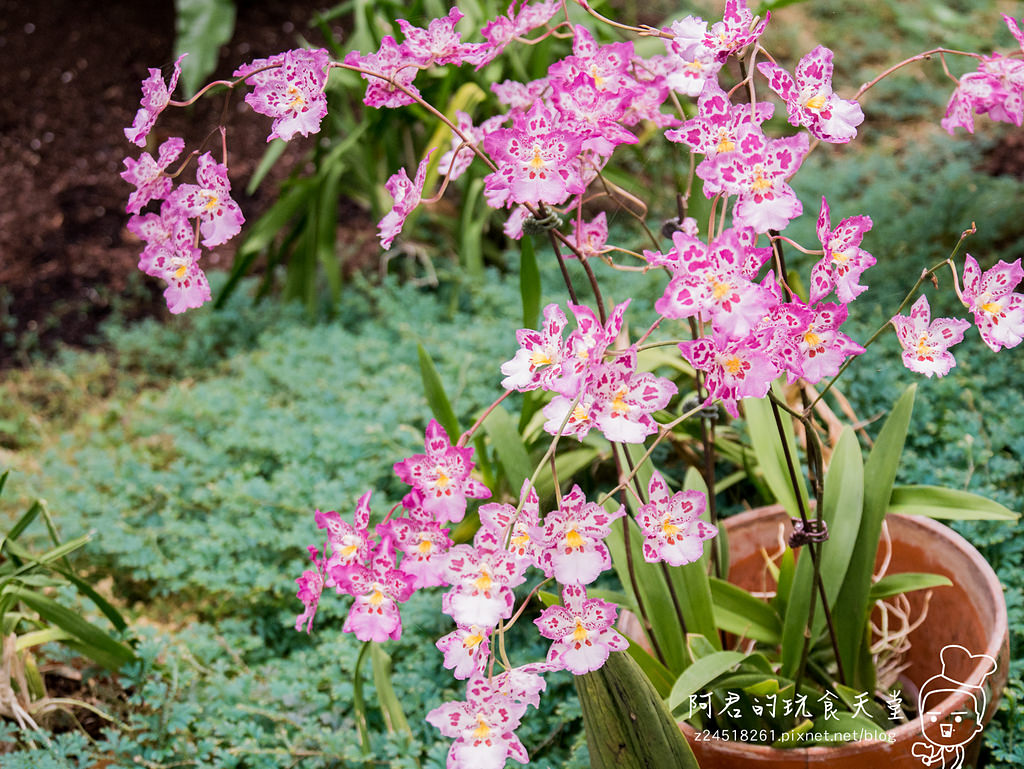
(70, 75)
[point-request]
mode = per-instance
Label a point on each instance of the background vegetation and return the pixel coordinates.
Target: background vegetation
(197, 448)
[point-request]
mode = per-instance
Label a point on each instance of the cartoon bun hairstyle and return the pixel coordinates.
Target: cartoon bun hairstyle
(958, 663)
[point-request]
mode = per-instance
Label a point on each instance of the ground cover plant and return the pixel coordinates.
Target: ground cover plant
(255, 459)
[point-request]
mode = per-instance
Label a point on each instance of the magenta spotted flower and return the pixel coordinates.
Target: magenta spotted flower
(585, 347)
(501, 524)
(671, 524)
(481, 585)
(823, 347)
(998, 310)
(514, 23)
(712, 283)
(756, 174)
(148, 174)
(590, 237)
(716, 128)
(378, 588)
(605, 67)
(220, 218)
(424, 546)
(735, 368)
(407, 194)
(538, 362)
(996, 88)
(809, 99)
(466, 650)
(574, 552)
(844, 260)
(616, 400)
(170, 255)
(311, 586)
(926, 342)
(537, 161)
(482, 727)
(582, 631)
(350, 542)
(442, 475)
(438, 44)
(156, 95)
(393, 69)
(290, 89)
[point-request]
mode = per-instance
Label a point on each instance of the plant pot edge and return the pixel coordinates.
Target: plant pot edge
(719, 753)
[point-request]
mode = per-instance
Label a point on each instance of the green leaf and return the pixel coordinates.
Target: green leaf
(201, 28)
(626, 721)
(101, 603)
(271, 155)
(770, 452)
(842, 510)
(503, 431)
(567, 464)
(39, 637)
(700, 673)
(649, 590)
(263, 233)
(906, 582)
(107, 650)
(938, 502)
(436, 397)
(659, 675)
(529, 282)
(471, 227)
(852, 603)
(390, 706)
(738, 612)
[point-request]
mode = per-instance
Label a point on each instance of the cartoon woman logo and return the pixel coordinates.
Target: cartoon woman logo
(958, 728)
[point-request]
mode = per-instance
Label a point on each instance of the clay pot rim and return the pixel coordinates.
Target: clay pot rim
(947, 705)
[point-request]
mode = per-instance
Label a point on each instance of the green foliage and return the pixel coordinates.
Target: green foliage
(201, 28)
(360, 147)
(34, 613)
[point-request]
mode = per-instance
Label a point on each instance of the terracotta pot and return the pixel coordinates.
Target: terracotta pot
(971, 613)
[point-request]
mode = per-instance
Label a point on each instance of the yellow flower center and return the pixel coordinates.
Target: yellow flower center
(840, 257)
(619, 405)
(473, 641)
(719, 289)
(992, 308)
(574, 539)
(426, 547)
(377, 598)
(180, 272)
(211, 201)
(733, 364)
(349, 550)
(816, 102)
(482, 730)
(580, 633)
(725, 142)
(598, 80)
(483, 583)
(924, 349)
(538, 160)
(580, 414)
(539, 358)
(297, 100)
(760, 184)
(669, 529)
(812, 339)
(443, 481)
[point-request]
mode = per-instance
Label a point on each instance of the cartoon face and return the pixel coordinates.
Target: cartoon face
(958, 728)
